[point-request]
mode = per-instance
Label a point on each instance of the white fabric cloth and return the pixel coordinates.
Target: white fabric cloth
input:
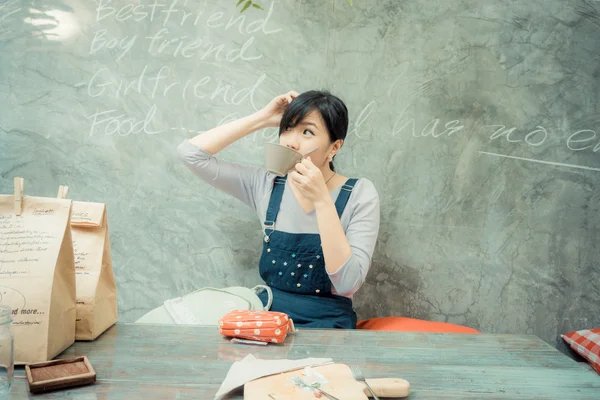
(205, 306)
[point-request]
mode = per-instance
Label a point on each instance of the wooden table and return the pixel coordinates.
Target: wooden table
(134, 361)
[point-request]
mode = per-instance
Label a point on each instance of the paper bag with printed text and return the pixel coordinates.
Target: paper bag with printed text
(96, 288)
(37, 274)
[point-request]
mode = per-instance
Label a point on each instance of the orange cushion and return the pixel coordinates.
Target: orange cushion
(412, 325)
(586, 343)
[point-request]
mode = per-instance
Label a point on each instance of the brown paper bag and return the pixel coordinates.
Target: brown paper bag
(96, 288)
(37, 273)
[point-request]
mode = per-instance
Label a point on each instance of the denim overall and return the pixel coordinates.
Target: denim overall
(292, 264)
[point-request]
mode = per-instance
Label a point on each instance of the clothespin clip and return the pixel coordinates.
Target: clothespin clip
(19, 182)
(62, 192)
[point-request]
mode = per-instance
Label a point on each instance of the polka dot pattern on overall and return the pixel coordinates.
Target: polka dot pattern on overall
(302, 265)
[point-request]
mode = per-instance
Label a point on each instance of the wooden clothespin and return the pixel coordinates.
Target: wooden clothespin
(19, 182)
(62, 192)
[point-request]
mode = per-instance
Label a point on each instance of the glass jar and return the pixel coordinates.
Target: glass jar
(7, 361)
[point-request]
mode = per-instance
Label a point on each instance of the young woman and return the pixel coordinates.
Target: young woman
(320, 227)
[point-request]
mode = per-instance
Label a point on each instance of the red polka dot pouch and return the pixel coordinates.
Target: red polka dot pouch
(259, 325)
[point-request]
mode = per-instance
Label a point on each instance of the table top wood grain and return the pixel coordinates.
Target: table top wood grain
(139, 361)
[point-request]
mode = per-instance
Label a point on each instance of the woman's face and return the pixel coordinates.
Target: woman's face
(309, 133)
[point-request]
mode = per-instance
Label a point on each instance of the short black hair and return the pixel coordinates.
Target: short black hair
(332, 109)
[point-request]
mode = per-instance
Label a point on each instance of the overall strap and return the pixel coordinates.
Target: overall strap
(275, 202)
(344, 195)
